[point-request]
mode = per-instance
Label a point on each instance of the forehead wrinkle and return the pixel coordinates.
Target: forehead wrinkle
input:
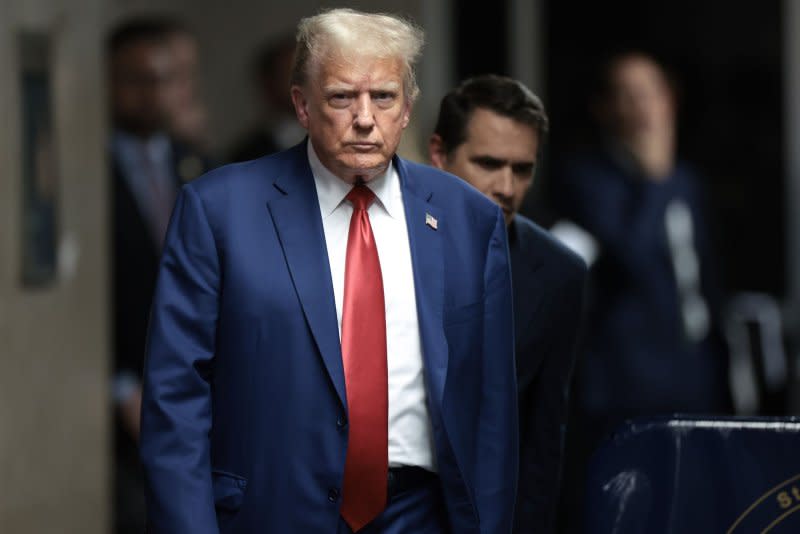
(358, 65)
(356, 83)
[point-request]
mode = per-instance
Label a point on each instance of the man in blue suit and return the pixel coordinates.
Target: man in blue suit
(654, 342)
(331, 345)
(489, 132)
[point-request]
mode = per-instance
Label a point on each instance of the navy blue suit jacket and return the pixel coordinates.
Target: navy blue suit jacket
(549, 282)
(638, 359)
(244, 413)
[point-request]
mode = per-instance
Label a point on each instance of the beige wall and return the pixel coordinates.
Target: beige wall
(53, 341)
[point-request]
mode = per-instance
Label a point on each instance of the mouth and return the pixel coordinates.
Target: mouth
(363, 147)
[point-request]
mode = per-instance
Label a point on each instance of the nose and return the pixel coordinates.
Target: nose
(364, 118)
(504, 184)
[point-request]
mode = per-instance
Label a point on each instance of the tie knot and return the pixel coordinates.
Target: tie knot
(361, 196)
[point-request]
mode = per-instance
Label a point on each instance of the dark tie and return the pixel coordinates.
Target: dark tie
(161, 196)
(364, 358)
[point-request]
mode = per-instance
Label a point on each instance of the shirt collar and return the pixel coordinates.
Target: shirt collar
(331, 190)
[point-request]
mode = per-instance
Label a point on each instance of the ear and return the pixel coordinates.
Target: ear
(407, 115)
(436, 152)
(300, 105)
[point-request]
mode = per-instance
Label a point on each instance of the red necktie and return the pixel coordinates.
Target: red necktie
(364, 357)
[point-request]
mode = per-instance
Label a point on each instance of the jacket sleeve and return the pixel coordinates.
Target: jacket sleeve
(625, 217)
(497, 439)
(541, 447)
(176, 405)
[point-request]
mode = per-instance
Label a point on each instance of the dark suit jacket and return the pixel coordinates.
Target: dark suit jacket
(135, 262)
(244, 415)
(257, 143)
(638, 359)
(548, 282)
(134, 266)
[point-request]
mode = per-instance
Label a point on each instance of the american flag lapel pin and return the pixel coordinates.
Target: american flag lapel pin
(431, 221)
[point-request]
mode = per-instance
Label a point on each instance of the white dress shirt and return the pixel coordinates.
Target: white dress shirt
(410, 439)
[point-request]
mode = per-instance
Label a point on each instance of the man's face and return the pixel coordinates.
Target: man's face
(641, 100)
(355, 112)
(498, 158)
(141, 77)
(183, 87)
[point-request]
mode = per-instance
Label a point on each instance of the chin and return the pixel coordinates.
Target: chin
(366, 162)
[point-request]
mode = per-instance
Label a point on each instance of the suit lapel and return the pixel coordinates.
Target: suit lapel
(295, 214)
(528, 294)
(425, 238)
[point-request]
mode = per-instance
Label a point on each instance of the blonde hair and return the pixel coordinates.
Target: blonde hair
(345, 32)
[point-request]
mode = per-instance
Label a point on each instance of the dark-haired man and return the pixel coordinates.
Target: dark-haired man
(148, 166)
(654, 343)
(489, 133)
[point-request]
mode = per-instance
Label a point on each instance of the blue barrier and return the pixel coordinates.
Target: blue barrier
(687, 475)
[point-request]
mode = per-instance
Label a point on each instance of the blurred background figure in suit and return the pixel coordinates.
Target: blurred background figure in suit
(276, 126)
(187, 113)
(489, 132)
(148, 165)
(653, 343)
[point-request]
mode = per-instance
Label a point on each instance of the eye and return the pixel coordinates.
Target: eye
(523, 170)
(490, 164)
(339, 100)
(383, 97)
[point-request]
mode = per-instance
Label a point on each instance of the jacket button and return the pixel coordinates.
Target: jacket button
(333, 495)
(341, 422)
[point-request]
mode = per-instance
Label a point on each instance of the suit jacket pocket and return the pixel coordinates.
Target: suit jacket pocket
(463, 314)
(228, 491)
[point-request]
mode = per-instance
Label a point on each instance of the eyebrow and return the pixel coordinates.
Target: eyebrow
(485, 158)
(388, 86)
(337, 88)
(340, 87)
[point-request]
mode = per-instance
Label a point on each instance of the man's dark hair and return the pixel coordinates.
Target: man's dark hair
(152, 28)
(500, 94)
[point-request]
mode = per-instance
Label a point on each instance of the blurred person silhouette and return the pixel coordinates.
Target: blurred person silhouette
(187, 112)
(653, 344)
(489, 132)
(147, 168)
(277, 127)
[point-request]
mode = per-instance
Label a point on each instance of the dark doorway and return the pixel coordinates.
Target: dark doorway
(480, 38)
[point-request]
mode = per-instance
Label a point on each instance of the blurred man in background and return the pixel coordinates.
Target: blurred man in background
(653, 344)
(187, 113)
(489, 133)
(276, 127)
(148, 166)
